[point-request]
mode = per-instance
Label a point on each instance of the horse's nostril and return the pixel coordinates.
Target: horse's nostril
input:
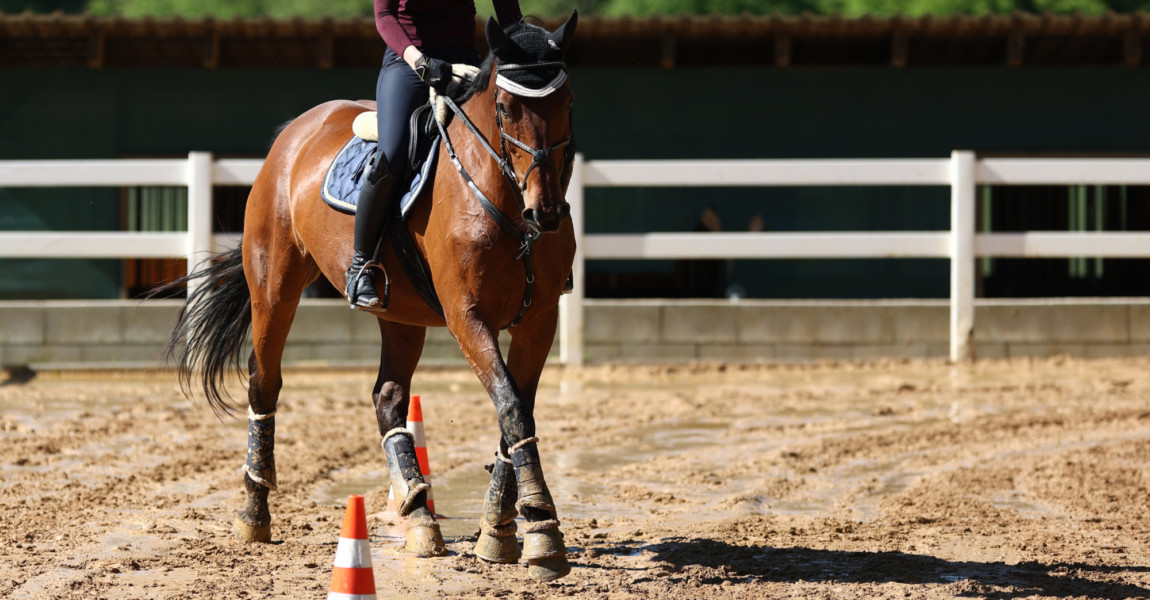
(564, 210)
(529, 215)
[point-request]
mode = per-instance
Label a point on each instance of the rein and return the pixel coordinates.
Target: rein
(542, 156)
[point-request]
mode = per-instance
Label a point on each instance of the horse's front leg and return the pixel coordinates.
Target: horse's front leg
(497, 527)
(400, 351)
(543, 545)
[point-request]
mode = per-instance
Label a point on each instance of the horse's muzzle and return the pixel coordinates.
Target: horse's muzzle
(547, 220)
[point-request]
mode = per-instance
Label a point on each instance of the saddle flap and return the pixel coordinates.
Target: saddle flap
(343, 179)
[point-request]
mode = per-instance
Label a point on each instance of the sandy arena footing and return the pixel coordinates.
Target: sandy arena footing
(903, 479)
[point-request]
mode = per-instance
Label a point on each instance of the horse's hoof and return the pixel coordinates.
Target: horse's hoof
(251, 533)
(548, 569)
(425, 540)
(502, 550)
(543, 544)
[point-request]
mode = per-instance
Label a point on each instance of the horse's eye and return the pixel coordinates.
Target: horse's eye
(502, 109)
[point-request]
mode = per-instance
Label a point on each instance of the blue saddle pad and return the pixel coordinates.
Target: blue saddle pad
(341, 184)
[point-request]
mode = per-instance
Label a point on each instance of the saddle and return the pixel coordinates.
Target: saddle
(341, 184)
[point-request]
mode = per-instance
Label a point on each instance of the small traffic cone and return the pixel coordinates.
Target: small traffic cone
(352, 577)
(415, 426)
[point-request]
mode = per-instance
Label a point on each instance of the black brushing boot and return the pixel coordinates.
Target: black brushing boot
(423, 536)
(375, 197)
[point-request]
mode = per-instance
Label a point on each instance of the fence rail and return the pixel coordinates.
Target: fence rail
(962, 172)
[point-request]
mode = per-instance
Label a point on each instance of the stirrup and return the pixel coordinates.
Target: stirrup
(358, 299)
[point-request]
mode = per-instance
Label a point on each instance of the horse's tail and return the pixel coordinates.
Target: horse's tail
(214, 324)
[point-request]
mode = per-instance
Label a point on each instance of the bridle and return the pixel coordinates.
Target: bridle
(540, 157)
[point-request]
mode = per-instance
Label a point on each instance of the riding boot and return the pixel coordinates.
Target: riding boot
(377, 190)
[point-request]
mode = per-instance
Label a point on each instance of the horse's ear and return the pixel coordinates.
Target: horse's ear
(562, 36)
(496, 39)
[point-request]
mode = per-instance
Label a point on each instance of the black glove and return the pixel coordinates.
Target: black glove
(434, 72)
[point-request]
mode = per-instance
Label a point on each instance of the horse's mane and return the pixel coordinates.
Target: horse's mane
(464, 91)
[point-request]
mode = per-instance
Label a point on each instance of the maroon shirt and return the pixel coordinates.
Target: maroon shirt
(435, 23)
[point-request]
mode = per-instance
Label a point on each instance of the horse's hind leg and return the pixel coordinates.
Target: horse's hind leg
(399, 354)
(283, 275)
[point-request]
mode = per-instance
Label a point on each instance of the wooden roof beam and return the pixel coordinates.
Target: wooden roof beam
(782, 50)
(1132, 42)
(211, 50)
(326, 54)
(97, 46)
(899, 49)
(1016, 44)
(667, 48)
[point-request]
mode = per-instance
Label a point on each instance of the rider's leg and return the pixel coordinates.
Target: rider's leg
(398, 93)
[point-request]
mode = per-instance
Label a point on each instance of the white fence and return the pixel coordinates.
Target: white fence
(962, 173)
(198, 173)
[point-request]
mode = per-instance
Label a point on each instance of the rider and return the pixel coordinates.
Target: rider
(423, 37)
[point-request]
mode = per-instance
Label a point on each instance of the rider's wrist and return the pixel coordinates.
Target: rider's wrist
(411, 54)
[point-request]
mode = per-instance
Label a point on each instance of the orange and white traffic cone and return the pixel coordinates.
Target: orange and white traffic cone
(352, 577)
(415, 426)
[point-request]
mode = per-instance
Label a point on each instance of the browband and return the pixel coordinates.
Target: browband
(520, 90)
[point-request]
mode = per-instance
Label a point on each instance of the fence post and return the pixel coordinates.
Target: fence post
(199, 210)
(571, 305)
(962, 192)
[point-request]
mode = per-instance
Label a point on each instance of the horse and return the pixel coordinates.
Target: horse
(493, 232)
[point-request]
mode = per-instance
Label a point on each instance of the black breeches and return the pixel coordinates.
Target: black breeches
(398, 92)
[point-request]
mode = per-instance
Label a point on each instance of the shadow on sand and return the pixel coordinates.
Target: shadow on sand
(991, 580)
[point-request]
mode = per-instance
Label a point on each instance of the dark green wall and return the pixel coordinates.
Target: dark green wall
(620, 113)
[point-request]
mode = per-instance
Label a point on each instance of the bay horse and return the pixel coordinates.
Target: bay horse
(484, 218)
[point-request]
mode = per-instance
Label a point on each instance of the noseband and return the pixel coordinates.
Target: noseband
(542, 156)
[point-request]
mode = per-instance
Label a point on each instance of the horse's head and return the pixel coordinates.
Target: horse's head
(533, 103)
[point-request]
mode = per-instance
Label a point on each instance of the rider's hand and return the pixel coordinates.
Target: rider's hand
(434, 72)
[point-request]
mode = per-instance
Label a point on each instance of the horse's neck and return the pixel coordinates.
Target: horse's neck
(480, 109)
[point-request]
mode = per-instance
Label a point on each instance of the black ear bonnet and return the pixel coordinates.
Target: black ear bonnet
(531, 59)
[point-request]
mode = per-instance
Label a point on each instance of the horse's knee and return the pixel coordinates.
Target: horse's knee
(515, 419)
(390, 406)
